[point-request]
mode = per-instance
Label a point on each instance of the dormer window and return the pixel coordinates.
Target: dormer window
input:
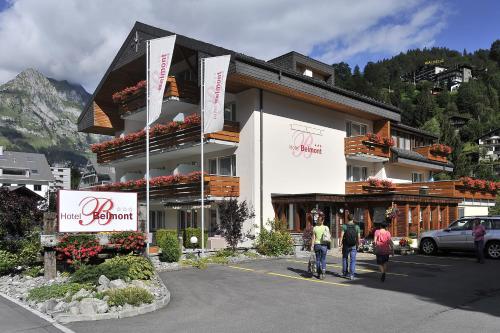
(308, 72)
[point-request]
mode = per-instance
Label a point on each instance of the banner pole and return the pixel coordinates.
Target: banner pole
(202, 176)
(147, 146)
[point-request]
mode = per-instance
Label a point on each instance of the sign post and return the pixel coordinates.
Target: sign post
(49, 252)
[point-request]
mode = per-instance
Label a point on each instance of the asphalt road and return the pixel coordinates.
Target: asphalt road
(423, 294)
(14, 318)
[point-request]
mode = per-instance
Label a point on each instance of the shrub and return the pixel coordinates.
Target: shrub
(44, 293)
(225, 253)
(190, 232)
(139, 268)
(8, 261)
(131, 295)
(167, 241)
(91, 274)
(75, 249)
(232, 217)
(128, 241)
(33, 271)
(30, 250)
(274, 242)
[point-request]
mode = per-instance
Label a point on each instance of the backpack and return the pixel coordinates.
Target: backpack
(350, 236)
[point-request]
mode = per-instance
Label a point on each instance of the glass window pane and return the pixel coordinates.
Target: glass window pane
(365, 173)
(225, 166)
(348, 129)
(212, 167)
(233, 165)
(356, 174)
(348, 173)
(363, 129)
(355, 129)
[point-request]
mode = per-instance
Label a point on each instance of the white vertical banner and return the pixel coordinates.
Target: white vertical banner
(214, 86)
(160, 58)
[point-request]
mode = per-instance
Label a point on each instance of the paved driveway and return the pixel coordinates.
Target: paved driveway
(422, 294)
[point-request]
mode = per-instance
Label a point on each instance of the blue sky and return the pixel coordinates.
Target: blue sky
(76, 40)
(469, 24)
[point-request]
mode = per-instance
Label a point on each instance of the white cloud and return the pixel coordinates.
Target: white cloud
(77, 40)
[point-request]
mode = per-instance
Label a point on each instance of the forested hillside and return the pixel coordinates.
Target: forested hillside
(477, 101)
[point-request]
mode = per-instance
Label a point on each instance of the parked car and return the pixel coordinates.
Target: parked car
(458, 237)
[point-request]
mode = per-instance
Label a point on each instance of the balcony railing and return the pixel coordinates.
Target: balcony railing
(361, 145)
(160, 142)
(215, 186)
(183, 90)
(428, 153)
(446, 188)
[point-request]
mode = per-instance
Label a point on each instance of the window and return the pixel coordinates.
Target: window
(409, 216)
(224, 166)
(15, 172)
(461, 212)
(355, 129)
(156, 219)
(359, 218)
(60, 170)
(417, 177)
(230, 112)
(461, 225)
(34, 171)
(37, 187)
(356, 173)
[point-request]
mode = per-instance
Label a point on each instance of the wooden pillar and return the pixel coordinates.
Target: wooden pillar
(407, 225)
(49, 255)
(418, 220)
(446, 217)
(296, 217)
(434, 218)
(426, 217)
(368, 222)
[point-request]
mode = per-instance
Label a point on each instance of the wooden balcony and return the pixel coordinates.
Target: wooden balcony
(359, 147)
(215, 187)
(183, 90)
(446, 188)
(430, 155)
(158, 143)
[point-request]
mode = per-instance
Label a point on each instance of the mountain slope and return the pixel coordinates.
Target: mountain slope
(40, 114)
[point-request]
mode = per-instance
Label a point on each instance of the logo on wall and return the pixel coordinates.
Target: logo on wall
(305, 141)
(87, 211)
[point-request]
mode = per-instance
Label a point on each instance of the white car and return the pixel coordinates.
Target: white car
(458, 237)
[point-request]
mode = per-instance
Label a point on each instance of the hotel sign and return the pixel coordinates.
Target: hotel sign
(305, 141)
(89, 211)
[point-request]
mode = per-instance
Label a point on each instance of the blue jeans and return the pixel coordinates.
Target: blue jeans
(346, 252)
(320, 251)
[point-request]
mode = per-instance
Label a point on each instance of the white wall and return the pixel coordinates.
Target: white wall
(474, 210)
(401, 174)
(288, 124)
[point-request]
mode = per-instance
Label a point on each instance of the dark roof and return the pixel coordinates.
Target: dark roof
(294, 57)
(414, 130)
(489, 133)
(413, 155)
(213, 50)
(26, 161)
(24, 191)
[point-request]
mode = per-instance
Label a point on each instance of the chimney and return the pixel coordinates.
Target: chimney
(1, 150)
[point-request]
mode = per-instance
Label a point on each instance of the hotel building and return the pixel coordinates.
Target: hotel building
(292, 141)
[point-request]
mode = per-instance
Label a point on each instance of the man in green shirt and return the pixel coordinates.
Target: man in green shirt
(349, 241)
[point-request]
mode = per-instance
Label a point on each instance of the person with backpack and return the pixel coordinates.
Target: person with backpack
(349, 241)
(383, 248)
(320, 240)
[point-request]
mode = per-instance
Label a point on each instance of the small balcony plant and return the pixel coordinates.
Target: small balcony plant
(122, 95)
(440, 149)
(474, 184)
(380, 140)
(380, 183)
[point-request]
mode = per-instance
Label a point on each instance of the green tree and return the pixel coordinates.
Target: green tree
(495, 51)
(432, 125)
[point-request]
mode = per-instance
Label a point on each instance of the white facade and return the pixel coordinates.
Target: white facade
(62, 176)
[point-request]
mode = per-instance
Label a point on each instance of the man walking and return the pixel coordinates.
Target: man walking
(349, 243)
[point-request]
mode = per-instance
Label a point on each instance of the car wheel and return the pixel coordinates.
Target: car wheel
(493, 250)
(428, 246)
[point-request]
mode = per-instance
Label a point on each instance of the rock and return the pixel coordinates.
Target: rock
(113, 309)
(102, 307)
(105, 298)
(74, 310)
(42, 307)
(87, 308)
(117, 284)
(82, 293)
(103, 281)
(68, 294)
(139, 284)
(61, 306)
(102, 288)
(73, 303)
(127, 307)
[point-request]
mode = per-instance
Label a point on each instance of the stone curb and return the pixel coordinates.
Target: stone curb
(156, 305)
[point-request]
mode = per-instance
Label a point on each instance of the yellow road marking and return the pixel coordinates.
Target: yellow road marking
(357, 269)
(309, 280)
(243, 268)
(288, 276)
